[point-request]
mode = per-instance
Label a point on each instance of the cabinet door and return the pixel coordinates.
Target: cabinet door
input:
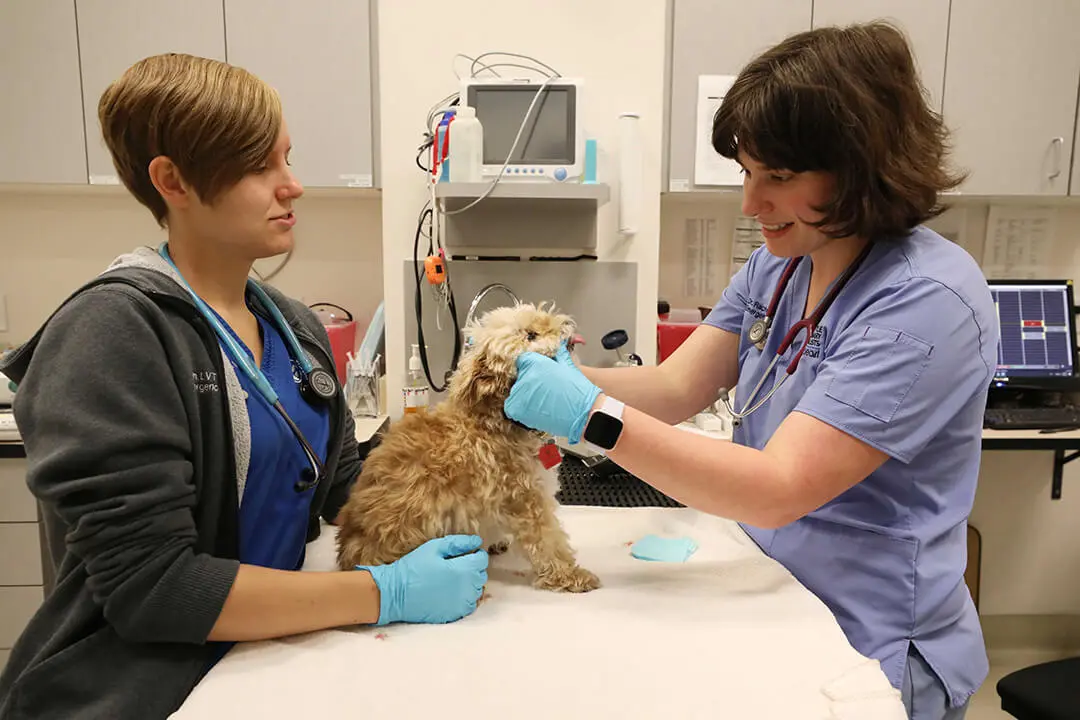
(17, 503)
(318, 56)
(41, 130)
(925, 22)
(114, 34)
(1074, 183)
(1010, 93)
(717, 37)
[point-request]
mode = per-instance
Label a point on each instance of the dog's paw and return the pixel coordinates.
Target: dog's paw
(574, 579)
(498, 548)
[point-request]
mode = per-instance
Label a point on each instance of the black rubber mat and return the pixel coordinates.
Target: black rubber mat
(606, 485)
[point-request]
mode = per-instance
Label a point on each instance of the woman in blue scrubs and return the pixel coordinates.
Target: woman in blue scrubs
(184, 431)
(855, 466)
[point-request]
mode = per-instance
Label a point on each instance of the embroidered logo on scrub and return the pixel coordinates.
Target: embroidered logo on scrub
(752, 306)
(817, 342)
(205, 381)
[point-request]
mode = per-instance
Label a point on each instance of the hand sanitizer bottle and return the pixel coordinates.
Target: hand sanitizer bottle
(416, 387)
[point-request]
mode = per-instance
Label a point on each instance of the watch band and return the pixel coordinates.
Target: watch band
(612, 408)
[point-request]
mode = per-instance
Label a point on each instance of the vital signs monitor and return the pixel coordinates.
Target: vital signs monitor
(552, 141)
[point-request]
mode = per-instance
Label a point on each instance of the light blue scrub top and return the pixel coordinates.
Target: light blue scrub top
(902, 360)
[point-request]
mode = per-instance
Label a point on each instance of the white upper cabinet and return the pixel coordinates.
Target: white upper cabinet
(717, 37)
(41, 129)
(1010, 94)
(114, 34)
(1074, 183)
(317, 53)
(925, 22)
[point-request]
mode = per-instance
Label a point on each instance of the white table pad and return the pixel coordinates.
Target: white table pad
(728, 634)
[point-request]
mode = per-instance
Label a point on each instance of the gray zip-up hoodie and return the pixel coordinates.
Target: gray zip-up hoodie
(138, 442)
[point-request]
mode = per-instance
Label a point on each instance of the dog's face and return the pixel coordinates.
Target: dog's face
(488, 367)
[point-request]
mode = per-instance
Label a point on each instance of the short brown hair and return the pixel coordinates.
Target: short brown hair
(215, 121)
(846, 101)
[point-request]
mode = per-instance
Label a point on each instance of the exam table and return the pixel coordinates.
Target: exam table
(729, 633)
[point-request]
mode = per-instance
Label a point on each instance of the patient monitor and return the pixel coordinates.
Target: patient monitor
(551, 146)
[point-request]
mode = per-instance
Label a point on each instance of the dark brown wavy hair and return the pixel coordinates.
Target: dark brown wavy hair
(846, 101)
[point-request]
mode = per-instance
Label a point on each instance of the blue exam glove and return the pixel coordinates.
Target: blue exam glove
(430, 584)
(563, 357)
(551, 395)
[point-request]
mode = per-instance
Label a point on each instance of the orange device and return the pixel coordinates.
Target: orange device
(435, 267)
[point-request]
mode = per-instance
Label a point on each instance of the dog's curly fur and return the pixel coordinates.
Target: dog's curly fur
(462, 467)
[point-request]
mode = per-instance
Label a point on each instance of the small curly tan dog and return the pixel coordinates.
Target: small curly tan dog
(462, 467)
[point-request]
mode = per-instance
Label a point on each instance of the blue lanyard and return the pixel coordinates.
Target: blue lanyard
(254, 372)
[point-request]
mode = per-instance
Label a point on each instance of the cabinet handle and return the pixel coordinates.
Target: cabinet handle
(1056, 145)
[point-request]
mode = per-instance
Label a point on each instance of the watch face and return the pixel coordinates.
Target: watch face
(603, 430)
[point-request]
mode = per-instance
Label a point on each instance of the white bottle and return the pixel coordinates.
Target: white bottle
(416, 387)
(466, 146)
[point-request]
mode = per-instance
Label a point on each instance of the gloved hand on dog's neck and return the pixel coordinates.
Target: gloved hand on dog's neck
(551, 395)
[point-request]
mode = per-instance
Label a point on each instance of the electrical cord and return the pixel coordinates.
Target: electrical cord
(273, 273)
(428, 214)
(433, 208)
(476, 61)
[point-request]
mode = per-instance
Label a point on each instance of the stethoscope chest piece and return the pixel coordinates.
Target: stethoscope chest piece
(308, 479)
(320, 384)
(759, 332)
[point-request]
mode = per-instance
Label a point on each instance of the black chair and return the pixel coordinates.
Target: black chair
(1048, 691)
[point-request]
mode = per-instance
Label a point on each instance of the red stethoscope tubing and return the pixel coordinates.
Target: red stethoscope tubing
(809, 325)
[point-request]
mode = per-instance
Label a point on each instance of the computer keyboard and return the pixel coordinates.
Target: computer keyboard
(1031, 418)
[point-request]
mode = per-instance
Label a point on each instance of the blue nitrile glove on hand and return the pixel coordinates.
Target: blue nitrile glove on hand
(551, 395)
(431, 584)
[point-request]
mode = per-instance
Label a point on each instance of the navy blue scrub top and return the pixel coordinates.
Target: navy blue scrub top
(273, 516)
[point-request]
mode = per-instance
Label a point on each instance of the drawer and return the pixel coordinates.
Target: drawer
(17, 606)
(20, 561)
(17, 503)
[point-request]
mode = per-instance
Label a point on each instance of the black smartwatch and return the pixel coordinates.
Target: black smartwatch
(605, 426)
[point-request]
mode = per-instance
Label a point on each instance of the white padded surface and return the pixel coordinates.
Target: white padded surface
(728, 634)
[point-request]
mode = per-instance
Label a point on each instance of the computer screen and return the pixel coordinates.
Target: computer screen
(1037, 340)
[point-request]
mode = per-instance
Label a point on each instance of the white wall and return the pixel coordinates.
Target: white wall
(619, 53)
(1031, 544)
(55, 239)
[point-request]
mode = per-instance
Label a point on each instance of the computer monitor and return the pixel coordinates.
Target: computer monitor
(1037, 343)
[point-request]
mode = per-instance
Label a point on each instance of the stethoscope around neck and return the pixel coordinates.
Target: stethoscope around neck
(317, 386)
(758, 334)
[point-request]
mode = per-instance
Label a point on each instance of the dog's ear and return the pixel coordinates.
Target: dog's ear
(477, 383)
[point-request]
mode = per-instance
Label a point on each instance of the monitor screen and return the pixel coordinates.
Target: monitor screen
(548, 137)
(1036, 323)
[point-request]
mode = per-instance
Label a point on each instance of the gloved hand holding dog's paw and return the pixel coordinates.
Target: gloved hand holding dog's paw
(551, 395)
(435, 583)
